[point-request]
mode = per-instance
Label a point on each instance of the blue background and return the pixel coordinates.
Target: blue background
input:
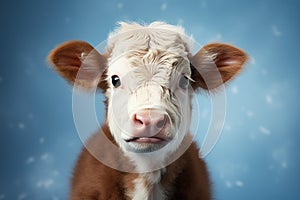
(257, 156)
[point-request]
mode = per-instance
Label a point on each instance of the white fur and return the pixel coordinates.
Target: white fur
(154, 192)
(159, 33)
(140, 191)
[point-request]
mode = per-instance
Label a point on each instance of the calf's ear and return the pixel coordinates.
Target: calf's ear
(216, 64)
(79, 63)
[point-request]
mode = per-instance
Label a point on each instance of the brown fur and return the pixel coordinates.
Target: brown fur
(228, 60)
(67, 60)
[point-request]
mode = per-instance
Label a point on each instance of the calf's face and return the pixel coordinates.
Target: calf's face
(149, 100)
(148, 76)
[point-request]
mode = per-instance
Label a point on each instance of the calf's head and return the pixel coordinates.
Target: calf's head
(148, 75)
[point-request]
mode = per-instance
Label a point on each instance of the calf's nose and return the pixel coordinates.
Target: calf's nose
(149, 122)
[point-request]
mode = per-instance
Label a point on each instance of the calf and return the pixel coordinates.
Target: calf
(148, 76)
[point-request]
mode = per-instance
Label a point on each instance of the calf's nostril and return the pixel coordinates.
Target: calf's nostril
(161, 123)
(140, 120)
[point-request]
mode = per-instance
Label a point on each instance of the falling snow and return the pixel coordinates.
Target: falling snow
(41, 140)
(180, 21)
(264, 130)
(234, 90)
(120, 5)
(228, 184)
(163, 6)
(252, 60)
(22, 196)
(30, 116)
(218, 37)
(264, 72)
(280, 156)
(227, 127)
(45, 157)
(46, 184)
(30, 160)
(276, 31)
(239, 183)
(67, 20)
(249, 113)
(284, 164)
(55, 173)
(21, 125)
(269, 99)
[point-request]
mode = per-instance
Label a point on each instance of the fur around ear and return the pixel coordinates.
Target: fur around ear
(216, 64)
(79, 63)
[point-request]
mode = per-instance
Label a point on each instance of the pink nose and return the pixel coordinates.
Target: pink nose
(148, 123)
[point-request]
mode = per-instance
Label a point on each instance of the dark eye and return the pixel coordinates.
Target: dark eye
(115, 80)
(184, 82)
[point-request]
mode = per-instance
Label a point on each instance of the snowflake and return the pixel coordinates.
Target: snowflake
(264, 130)
(163, 6)
(180, 21)
(67, 20)
(218, 36)
(228, 184)
(284, 164)
(30, 160)
(249, 113)
(239, 183)
(45, 184)
(45, 157)
(269, 99)
(30, 116)
(55, 173)
(276, 31)
(264, 72)
(21, 125)
(120, 5)
(55, 198)
(42, 140)
(234, 90)
(22, 196)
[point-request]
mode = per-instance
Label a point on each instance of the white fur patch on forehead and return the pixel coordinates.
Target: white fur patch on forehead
(131, 37)
(125, 27)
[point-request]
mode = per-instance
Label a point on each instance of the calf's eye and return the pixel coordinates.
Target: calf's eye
(115, 80)
(184, 82)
